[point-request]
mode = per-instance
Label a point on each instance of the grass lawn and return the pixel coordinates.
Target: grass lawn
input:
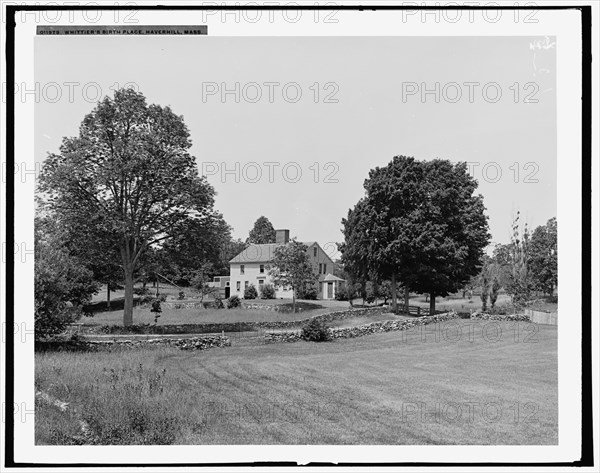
(164, 289)
(457, 303)
(193, 316)
(171, 316)
(196, 316)
(391, 388)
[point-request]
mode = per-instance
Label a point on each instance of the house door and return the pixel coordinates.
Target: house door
(227, 292)
(329, 290)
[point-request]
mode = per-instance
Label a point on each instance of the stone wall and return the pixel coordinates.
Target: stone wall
(195, 343)
(365, 329)
(510, 318)
(174, 329)
(271, 307)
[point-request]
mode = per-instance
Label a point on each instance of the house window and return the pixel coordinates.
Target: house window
(315, 252)
(245, 284)
(261, 282)
(262, 268)
(324, 268)
(217, 279)
(320, 268)
(242, 269)
(238, 285)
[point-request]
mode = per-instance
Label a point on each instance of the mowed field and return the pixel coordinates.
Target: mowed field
(432, 386)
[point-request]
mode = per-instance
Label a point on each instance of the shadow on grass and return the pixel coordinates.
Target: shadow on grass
(301, 306)
(115, 305)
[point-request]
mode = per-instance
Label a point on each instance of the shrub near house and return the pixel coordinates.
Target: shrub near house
(250, 292)
(267, 291)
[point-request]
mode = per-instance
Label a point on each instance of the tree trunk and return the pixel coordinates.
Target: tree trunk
(432, 304)
(406, 300)
(128, 308)
(394, 301)
(108, 296)
(294, 300)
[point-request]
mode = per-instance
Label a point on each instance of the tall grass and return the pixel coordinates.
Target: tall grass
(114, 399)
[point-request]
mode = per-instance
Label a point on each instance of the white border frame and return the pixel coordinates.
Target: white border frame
(563, 24)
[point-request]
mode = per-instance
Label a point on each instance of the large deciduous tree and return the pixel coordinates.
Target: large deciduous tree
(424, 226)
(128, 175)
(262, 232)
(291, 267)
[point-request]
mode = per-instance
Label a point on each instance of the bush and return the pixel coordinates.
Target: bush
(140, 291)
(146, 299)
(157, 309)
(267, 292)
(504, 309)
(63, 342)
(233, 301)
(308, 293)
(219, 303)
(250, 292)
(60, 289)
(156, 306)
(316, 331)
(341, 296)
(181, 295)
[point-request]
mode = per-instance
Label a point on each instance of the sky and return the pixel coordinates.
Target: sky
(312, 115)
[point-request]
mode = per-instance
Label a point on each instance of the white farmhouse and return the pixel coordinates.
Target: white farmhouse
(252, 266)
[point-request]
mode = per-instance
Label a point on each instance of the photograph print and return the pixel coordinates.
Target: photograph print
(246, 239)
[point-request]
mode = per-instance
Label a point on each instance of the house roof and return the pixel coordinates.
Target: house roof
(262, 253)
(331, 277)
(256, 253)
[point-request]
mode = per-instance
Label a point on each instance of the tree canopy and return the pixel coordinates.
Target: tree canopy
(543, 257)
(421, 223)
(129, 177)
(262, 232)
(196, 246)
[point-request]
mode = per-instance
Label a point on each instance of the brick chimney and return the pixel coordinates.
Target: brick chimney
(282, 236)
